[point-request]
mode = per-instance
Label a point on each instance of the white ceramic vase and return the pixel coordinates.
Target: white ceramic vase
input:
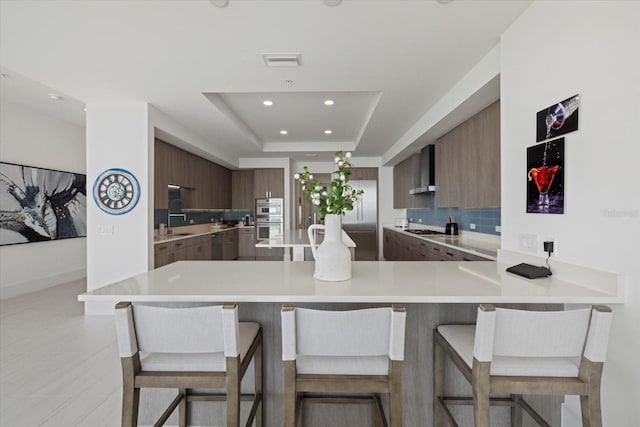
(333, 258)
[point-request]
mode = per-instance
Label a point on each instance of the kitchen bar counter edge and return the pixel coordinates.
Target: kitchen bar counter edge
(372, 282)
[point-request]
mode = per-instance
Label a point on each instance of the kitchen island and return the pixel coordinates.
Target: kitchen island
(433, 293)
(298, 242)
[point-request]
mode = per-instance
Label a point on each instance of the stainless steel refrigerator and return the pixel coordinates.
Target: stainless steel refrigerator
(361, 224)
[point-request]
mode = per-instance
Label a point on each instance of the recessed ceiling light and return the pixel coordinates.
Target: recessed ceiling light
(55, 97)
(282, 59)
(85, 109)
(267, 103)
(219, 3)
(283, 132)
(329, 102)
(328, 131)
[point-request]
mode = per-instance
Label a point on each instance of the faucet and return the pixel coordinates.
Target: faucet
(182, 215)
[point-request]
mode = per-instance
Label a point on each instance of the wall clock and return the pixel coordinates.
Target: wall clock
(116, 191)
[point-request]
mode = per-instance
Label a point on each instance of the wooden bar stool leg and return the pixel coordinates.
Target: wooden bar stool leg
(395, 395)
(516, 411)
(233, 391)
(289, 393)
(130, 394)
(257, 370)
(591, 373)
(481, 385)
(438, 381)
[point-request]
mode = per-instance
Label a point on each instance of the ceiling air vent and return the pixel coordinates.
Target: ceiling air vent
(281, 59)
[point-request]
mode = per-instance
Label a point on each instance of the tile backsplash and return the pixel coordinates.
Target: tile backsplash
(200, 216)
(485, 219)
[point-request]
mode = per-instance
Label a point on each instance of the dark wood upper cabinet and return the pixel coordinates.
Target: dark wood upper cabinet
(205, 185)
(242, 194)
(364, 173)
(268, 183)
(468, 162)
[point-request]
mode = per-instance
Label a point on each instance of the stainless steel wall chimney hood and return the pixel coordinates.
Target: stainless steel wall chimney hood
(427, 171)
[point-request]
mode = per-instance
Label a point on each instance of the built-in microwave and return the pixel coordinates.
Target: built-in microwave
(269, 208)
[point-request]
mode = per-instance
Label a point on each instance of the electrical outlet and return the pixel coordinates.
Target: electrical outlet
(191, 221)
(548, 247)
(410, 219)
(472, 226)
(498, 229)
(420, 220)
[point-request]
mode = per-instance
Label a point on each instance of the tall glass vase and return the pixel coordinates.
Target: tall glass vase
(333, 258)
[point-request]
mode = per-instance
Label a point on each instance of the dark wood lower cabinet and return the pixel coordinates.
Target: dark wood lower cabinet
(230, 245)
(189, 248)
(246, 244)
(400, 246)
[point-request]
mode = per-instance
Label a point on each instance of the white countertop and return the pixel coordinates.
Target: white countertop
(297, 238)
(178, 235)
(372, 282)
(486, 249)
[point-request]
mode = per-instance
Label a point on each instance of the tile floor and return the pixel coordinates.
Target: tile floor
(57, 367)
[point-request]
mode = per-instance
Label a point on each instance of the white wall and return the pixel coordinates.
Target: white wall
(553, 51)
(33, 139)
(118, 136)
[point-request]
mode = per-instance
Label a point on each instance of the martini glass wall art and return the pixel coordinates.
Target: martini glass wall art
(545, 177)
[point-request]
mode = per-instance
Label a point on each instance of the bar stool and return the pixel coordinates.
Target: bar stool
(332, 355)
(186, 348)
(519, 352)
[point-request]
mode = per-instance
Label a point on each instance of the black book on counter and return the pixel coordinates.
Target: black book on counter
(529, 271)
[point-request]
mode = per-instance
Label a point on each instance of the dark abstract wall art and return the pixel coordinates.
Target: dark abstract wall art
(558, 119)
(545, 177)
(39, 204)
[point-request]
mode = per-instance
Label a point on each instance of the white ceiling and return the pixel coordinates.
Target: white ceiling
(384, 62)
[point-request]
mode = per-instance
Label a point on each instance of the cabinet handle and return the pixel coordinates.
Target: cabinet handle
(450, 254)
(466, 259)
(436, 249)
(178, 244)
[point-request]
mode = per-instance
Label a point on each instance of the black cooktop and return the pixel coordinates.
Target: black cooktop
(423, 232)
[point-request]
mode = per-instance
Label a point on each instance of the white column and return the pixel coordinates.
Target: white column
(118, 246)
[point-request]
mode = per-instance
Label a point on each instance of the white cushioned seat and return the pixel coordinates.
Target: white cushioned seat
(461, 337)
(342, 365)
(198, 361)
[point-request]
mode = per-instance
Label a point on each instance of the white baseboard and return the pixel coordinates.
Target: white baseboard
(22, 288)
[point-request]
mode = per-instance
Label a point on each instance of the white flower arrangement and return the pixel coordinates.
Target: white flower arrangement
(339, 196)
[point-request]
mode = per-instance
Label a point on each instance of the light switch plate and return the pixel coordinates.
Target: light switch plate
(104, 230)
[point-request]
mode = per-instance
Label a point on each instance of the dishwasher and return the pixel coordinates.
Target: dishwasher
(216, 247)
